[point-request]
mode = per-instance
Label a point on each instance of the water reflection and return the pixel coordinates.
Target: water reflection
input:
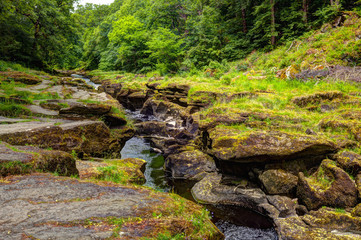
(154, 174)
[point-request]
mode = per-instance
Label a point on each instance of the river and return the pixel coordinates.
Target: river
(236, 223)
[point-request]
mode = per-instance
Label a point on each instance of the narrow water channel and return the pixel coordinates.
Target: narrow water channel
(236, 223)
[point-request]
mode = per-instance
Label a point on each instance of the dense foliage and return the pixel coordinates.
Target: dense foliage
(144, 35)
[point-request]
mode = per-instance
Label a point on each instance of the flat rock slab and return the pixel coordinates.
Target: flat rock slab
(5, 120)
(42, 111)
(47, 207)
(42, 206)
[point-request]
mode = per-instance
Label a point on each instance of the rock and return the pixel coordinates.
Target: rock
(110, 88)
(26, 159)
(152, 128)
(86, 137)
(289, 72)
(336, 219)
(163, 109)
(285, 206)
(136, 100)
(86, 109)
(265, 147)
(349, 161)
(358, 184)
(42, 206)
(190, 165)
(121, 170)
(38, 110)
(329, 186)
(356, 212)
(296, 229)
(210, 191)
(317, 98)
(21, 77)
(278, 181)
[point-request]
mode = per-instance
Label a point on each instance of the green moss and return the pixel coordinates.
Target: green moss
(15, 167)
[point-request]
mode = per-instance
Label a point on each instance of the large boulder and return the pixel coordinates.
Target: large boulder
(227, 144)
(328, 186)
(84, 137)
(26, 159)
(210, 191)
(191, 165)
(278, 181)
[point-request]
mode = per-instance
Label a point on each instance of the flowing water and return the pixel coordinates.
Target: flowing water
(236, 223)
(87, 80)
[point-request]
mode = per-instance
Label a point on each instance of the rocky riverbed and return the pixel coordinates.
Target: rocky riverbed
(273, 163)
(61, 172)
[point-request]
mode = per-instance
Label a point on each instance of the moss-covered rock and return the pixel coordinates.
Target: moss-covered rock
(318, 98)
(278, 181)
(87, 137)
(329, 186)
(349, 161)
(356, 212)
(294, 228)
(228, 144)
(336, 219)
(191, 165)
(26, 159)
(123, 171)
(21, 77)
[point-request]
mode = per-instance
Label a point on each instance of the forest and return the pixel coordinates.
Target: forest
(146, 35)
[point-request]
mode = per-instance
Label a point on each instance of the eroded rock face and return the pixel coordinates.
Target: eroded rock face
(88, 137)
(26, 159)
(278, 181)
(329, 186)
(191, 165)
(265, 147)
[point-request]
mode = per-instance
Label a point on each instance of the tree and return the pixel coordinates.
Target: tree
(45, 25)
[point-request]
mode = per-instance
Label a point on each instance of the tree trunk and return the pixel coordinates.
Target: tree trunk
(244, 20)
(305, 10)
(273, 23)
